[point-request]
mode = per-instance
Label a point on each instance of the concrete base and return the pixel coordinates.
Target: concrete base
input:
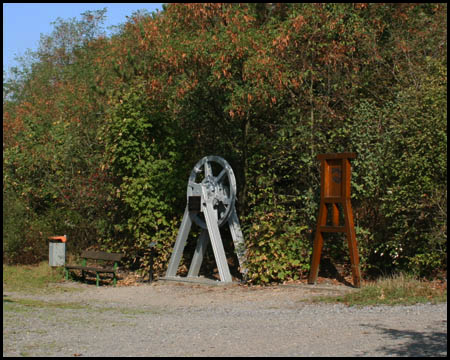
(198, 280)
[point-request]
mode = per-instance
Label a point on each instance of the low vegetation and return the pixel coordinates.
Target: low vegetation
(395, 290)
(32, 278)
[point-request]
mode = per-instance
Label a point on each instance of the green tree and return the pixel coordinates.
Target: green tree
(104, 131)
(52, 154)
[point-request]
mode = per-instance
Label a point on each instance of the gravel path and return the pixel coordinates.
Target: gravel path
(180, 319)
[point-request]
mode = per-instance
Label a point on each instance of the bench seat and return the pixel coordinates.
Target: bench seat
(97, 255)
(91, 268)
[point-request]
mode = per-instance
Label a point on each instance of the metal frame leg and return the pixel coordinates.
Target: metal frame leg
(216, 242)
(238, 240)
(202, 245)
(180, 243)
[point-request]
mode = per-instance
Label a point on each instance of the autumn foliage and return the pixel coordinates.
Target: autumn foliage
(101, 132)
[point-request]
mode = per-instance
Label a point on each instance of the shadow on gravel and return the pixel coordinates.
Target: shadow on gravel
(329, 270)
(89, 278)
(415, 343)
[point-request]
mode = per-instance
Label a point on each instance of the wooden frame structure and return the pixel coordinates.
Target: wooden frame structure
(335, 190)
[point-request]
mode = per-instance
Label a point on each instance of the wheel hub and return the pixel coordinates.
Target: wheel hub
(219, 189)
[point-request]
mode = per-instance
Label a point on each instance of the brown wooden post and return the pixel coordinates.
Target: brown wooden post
(334, 190)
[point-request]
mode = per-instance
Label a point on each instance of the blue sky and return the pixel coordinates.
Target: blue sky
(24, 23)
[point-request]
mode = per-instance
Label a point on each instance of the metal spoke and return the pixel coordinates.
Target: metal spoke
(208, 170)
(221, 175)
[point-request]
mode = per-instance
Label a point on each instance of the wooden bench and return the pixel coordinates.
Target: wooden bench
(97, 255)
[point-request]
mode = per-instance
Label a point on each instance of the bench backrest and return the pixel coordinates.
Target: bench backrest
(101, 255)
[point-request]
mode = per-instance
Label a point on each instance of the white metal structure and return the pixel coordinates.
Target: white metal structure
(210, 204)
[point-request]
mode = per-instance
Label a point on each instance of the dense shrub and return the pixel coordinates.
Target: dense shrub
(100, 136)
(146, 168)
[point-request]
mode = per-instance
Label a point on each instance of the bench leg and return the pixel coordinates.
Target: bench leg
(97, 278)
(68, 274)
(150, 273)
(114, 279)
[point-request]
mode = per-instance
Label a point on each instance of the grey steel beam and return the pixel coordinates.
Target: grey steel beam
(238, 240)
(180, 243)
(202, 245)
(216, 242)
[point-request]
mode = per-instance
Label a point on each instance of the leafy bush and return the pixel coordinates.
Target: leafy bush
(144, 162)
(101, 150)
(14, 214)
(278, 249)
(24, 238)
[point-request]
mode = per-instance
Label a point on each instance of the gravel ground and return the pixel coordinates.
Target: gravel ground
(183, 319)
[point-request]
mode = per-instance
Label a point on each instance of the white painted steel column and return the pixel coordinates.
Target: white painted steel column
(179, 244)
(216, 242)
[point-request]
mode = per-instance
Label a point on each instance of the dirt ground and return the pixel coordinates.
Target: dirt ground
(168, 318)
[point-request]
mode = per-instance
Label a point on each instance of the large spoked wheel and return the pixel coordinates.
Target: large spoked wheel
(220, 188)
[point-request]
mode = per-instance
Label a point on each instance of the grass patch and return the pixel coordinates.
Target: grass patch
(9, 304)
(32, 278)
(396, 290)
(26, 305)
